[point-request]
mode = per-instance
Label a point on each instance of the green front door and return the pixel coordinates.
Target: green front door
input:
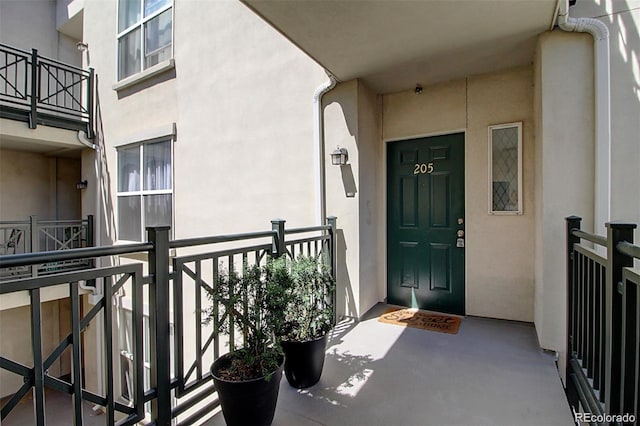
(425, 223)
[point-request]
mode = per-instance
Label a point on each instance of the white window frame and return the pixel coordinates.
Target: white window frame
(123, 307)
(519, 210)
(142, 192)
(140, 24)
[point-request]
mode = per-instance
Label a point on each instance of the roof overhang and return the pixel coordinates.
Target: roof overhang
(394, 44)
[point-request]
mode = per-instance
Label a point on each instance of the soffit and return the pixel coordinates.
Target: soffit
(394, 44)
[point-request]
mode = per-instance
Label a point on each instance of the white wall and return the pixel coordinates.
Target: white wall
(241, 98)
(564, 168)
(353, 195)
(28, 24)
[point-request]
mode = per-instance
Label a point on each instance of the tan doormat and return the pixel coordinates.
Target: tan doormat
(421, 319)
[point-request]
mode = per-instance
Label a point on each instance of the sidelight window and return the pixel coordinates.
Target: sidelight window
(505, 169)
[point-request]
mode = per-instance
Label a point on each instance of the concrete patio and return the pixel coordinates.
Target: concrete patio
(491, 373)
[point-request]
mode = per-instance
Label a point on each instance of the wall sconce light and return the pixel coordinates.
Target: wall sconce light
(339, 156)
(418, 89)
(81, 185)
(83, 47)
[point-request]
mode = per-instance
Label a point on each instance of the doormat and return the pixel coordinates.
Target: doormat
(421, 319)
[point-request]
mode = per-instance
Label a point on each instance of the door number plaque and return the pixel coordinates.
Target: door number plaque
(423, 168)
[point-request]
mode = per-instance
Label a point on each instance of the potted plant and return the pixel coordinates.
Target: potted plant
(308, 319)
(247, 379)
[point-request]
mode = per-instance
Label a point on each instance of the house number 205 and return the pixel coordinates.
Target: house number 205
(423, 168)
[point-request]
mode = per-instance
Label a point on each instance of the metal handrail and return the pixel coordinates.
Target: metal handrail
(628, 249)
(23, 259)
(307, 229)
(199, 241)
(596, 239)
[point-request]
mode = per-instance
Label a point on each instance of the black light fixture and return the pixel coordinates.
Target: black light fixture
(81, 185)
(339, 156)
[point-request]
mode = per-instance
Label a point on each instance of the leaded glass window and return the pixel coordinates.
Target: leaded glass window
(505, 169)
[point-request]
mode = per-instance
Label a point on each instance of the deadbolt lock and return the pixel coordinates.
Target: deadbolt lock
(460, 233)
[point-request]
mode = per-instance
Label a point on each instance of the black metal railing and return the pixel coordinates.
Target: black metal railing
(39, 90)
(34, 235)
(603, 323)
(161, 371)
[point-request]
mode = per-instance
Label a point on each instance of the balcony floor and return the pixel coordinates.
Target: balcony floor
(491, 373)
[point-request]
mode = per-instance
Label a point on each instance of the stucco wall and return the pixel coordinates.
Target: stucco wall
(241, 98)
(565, 163)
(32, 24)
(15, 334)
(353, 193)
(564, 116)
(499, 249)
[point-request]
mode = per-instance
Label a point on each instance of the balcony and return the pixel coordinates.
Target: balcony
(41, 91)
(33, 235)
(147, 329)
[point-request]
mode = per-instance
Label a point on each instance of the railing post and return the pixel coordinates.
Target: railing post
(90, 242)
(278, 247)
(90, 101)
(159, 321)
(616, 262)
(90, 231)
(573, 222)
(33, 113)
(34, 241)
(333, 258)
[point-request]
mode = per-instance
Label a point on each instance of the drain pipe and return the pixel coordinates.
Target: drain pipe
(97, 291)
(82, 137)
(318, 137)
(600, 34)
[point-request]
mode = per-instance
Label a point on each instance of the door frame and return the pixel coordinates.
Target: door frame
(385, 197)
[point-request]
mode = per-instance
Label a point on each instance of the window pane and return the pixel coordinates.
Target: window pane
(129, 169)
(157, 210)
(128, 13)
(504, 158)
(151, 6)
(129, 54)
(157, 165)
(157, 36)
(129, 218)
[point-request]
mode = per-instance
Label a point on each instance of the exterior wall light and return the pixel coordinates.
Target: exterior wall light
(83, 47)
(339, 156)
(81, 185)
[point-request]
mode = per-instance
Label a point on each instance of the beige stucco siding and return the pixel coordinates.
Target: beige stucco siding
(499, 249)
(36, 185)
(241, 99)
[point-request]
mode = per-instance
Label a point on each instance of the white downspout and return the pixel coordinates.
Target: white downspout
(318, 137)
(97, 293)
(600, 33)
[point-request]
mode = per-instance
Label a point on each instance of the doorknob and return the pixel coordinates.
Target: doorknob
(460, 233)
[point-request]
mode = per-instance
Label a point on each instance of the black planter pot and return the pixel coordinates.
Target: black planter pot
(303, 361)
(250, 402)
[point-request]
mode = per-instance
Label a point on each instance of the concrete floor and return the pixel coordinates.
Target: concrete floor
(59, 409)
(490, 373)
